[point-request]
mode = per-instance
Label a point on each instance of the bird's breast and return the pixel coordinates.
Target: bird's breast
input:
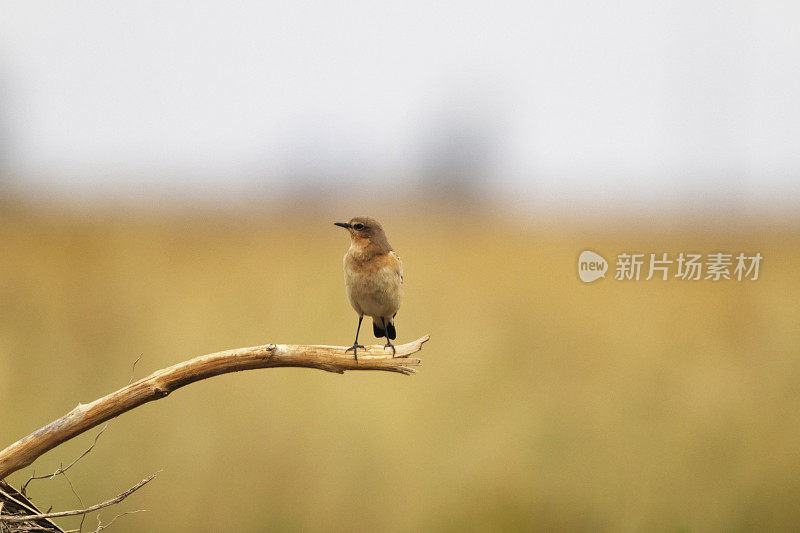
(374, 286)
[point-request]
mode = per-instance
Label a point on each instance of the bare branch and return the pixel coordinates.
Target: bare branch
(161, 383)
(59, 514)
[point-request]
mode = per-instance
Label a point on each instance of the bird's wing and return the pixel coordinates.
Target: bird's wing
(398, 265)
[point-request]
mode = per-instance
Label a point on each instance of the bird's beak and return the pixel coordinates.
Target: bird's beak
(342, 224)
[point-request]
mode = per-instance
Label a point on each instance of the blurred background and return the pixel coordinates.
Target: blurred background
(169, 173)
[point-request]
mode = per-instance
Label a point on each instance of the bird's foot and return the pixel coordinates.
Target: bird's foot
(390, 345)
(354, 348)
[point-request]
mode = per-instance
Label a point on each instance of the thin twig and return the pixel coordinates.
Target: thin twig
(80, 500)
(62, 470)
(133, 369)
(116, 499)
(101, 526)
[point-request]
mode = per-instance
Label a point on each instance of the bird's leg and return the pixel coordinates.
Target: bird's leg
(388, 342)
(355, 345)
(390, 345)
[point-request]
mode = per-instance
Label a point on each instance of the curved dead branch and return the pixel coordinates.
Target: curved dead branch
(159, 384)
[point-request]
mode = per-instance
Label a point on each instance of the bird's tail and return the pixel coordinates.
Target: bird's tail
(377, 328)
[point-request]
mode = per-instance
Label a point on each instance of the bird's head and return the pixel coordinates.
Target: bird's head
(365, 232)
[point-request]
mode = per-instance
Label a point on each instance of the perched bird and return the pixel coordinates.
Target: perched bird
(373, 278)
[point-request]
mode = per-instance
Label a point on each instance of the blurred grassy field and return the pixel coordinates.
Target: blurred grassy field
(543, 403)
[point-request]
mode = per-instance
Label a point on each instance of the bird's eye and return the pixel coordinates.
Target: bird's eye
(358, 227)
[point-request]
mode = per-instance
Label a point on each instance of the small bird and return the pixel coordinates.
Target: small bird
(373, 278)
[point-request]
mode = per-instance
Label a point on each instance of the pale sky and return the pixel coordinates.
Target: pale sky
(580, 99)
